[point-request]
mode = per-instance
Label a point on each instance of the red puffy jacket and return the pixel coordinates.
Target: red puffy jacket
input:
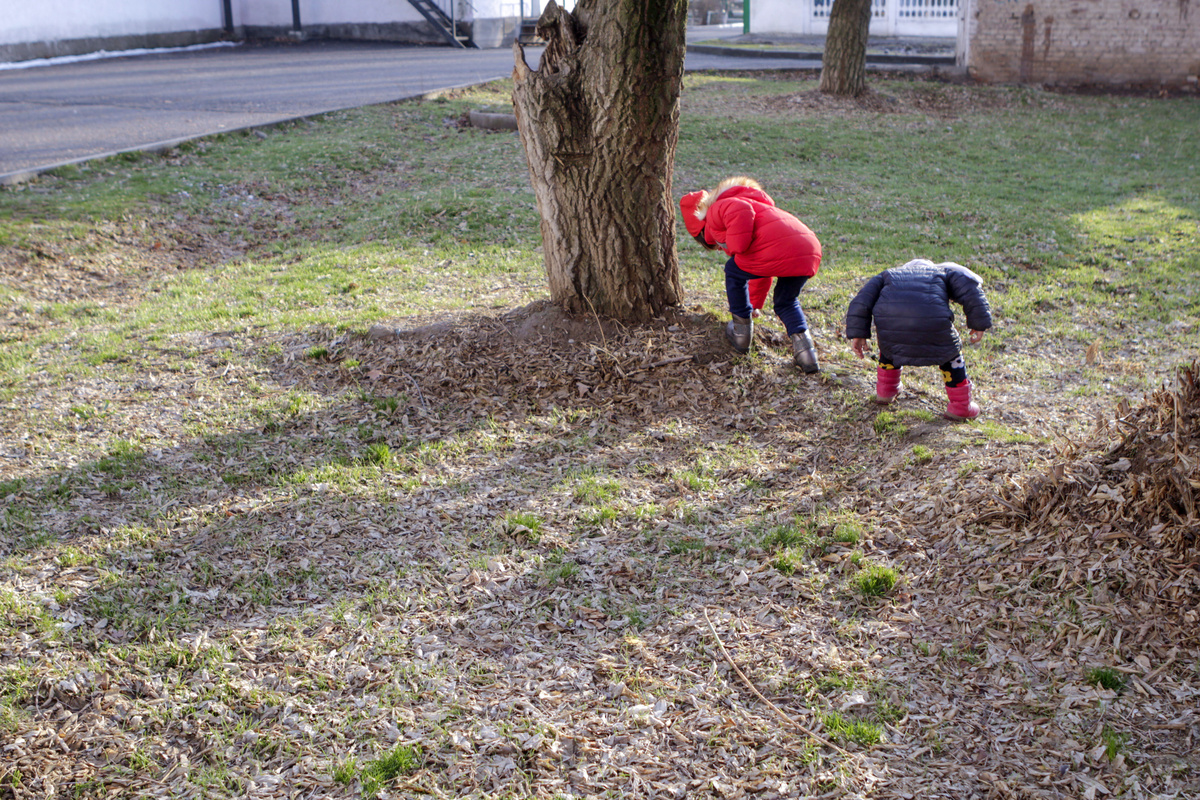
(762, 238)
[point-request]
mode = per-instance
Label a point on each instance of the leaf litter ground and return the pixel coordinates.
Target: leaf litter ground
(559, 558)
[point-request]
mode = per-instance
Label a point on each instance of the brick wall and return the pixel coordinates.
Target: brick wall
(1071, 42)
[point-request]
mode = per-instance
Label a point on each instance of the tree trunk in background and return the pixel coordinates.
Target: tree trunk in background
(599, 121)
(844, 64)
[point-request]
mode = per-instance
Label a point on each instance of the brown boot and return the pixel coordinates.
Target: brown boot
(804, 352)
(740, 333)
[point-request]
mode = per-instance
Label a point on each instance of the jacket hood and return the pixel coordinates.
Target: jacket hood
(687, 205)
(694, 205)
(737, 185)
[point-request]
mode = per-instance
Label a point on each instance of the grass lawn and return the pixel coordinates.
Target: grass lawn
(307, 491)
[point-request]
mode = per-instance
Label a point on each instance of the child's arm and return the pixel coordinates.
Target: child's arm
(731, 225)
(758, 288)
(966, 289)
(858, 315)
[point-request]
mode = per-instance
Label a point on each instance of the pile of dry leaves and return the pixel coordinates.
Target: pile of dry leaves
(1129, 494)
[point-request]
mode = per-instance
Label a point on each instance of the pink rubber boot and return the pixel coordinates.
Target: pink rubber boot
(887, 385)
(960, 408)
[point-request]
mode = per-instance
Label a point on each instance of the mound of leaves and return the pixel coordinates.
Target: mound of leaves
(538, 358)
(1122, 506)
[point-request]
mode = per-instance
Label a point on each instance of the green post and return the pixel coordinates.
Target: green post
(745, 16)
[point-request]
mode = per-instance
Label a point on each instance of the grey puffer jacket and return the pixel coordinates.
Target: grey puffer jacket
(913, 319)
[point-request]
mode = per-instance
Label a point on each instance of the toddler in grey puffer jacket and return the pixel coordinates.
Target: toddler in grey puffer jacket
(914, 326)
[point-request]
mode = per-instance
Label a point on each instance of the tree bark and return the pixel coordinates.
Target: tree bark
(599, 121)
(844, 63)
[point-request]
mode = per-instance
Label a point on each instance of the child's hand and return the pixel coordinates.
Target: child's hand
(857, 346)
(755, 313)
(976, 337)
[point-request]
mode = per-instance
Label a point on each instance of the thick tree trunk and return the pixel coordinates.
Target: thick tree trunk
(844, 63)
(599, 121)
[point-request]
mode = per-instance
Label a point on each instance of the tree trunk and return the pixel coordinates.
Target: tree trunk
(844, 64)
(599, 121)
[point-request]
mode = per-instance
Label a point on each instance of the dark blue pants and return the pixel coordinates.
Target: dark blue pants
(784, 301)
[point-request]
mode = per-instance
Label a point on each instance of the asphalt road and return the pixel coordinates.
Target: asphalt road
(66, 113)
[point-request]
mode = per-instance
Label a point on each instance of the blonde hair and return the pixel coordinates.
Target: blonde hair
(711, 197)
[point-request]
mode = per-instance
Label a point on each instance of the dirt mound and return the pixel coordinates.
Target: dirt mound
(917, 96)
(538, 357)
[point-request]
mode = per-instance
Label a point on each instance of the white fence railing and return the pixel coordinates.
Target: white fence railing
(821, 8)
(904, 9)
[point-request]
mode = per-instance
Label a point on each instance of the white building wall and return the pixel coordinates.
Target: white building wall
(889, 17)
(52, 20)
(31, 29)
(781, 16)
(276, 13)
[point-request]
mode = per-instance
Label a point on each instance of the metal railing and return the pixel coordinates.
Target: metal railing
(453, 9)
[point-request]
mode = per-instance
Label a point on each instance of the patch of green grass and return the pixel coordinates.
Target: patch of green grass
(875, 580)
(887, 423)
(388, 405)
(599, 516)
(999, 432)
(378, 453)
(792, 543)
(74, 557)
(524, 525)
(558, 570)
(789, 535)
(16, 687)
(1105, 678)
(789, 561)
(694, 480)
(967, 469)
(296, 404)
(345, 772)
(216, 780)
(922, 454)
(847, 533)
(19, 612)
(860, 732)
(1114, 742)
(596, 489)
(646, 512)
(896, 423)
(84, 412)
(124, 458)
(686, 544)
(836, 681)
(399, 761)
(887, 711)
(139, 760)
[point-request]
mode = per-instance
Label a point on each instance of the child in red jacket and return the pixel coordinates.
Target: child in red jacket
(763, 242)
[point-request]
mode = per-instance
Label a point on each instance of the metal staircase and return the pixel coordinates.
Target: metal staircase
(444, 24)
(527, 32)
